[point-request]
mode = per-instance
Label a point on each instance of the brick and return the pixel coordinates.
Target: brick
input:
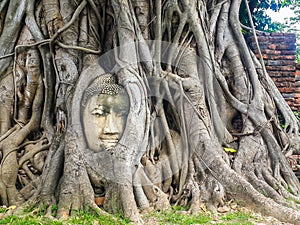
(261, 39)
(290, 39)
(288, 62)
(286, 46)
(285, 35)
(272, 46)
(287, 57)
(286, 90)
(288, 52)
(290, 57)
(279, 62)
(289, 34)
(288, 68)
(274, 74)
(286, 79)
(277, 39)
(288, 73)
(277, 34)
(278, 73)
(273, 62)
(285, 84)
(262, 46)
(271, 52)
(275, 68)
(281, 68)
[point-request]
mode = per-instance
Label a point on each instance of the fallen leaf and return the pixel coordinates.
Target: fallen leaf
(203, 207)
(12, 207)
(230, 150)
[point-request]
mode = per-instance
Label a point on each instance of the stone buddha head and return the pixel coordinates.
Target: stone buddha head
(105, 107)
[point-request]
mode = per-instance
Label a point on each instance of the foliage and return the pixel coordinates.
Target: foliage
(282, 122)
(297, 115)
(291, 29)
(258, 10)
(296, 8)
(263, 22)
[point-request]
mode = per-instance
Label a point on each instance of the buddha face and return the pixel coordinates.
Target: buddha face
(104, 120)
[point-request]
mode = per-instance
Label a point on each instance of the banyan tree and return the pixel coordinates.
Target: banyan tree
(144, 104)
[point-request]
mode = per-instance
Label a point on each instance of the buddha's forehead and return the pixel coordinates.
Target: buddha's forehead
(119, 101)
(121, 97)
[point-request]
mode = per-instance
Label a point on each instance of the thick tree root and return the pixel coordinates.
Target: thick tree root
(245, 194)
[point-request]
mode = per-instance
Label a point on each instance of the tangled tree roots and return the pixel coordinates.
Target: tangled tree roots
(193, 92)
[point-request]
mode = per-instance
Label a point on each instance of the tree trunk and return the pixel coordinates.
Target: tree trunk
(133, 105)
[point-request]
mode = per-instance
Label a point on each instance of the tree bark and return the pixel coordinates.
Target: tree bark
(194, 89)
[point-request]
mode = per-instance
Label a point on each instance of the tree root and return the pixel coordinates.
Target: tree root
(242, 191)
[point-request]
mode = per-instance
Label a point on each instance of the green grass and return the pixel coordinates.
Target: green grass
(28, 220)
(171, 217)
(80, 218)
(177, 215)
(181, 217)
(235, 218)
(3, 210)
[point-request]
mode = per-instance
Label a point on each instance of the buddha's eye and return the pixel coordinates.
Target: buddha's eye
(98, 112)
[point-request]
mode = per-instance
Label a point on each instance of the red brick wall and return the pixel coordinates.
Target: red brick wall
(279, 54)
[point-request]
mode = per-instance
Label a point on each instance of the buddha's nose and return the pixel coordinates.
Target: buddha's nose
(110, 124)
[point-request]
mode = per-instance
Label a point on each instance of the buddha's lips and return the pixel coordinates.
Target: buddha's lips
(111, 139)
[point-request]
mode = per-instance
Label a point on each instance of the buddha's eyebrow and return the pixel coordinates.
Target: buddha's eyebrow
(98, 107)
